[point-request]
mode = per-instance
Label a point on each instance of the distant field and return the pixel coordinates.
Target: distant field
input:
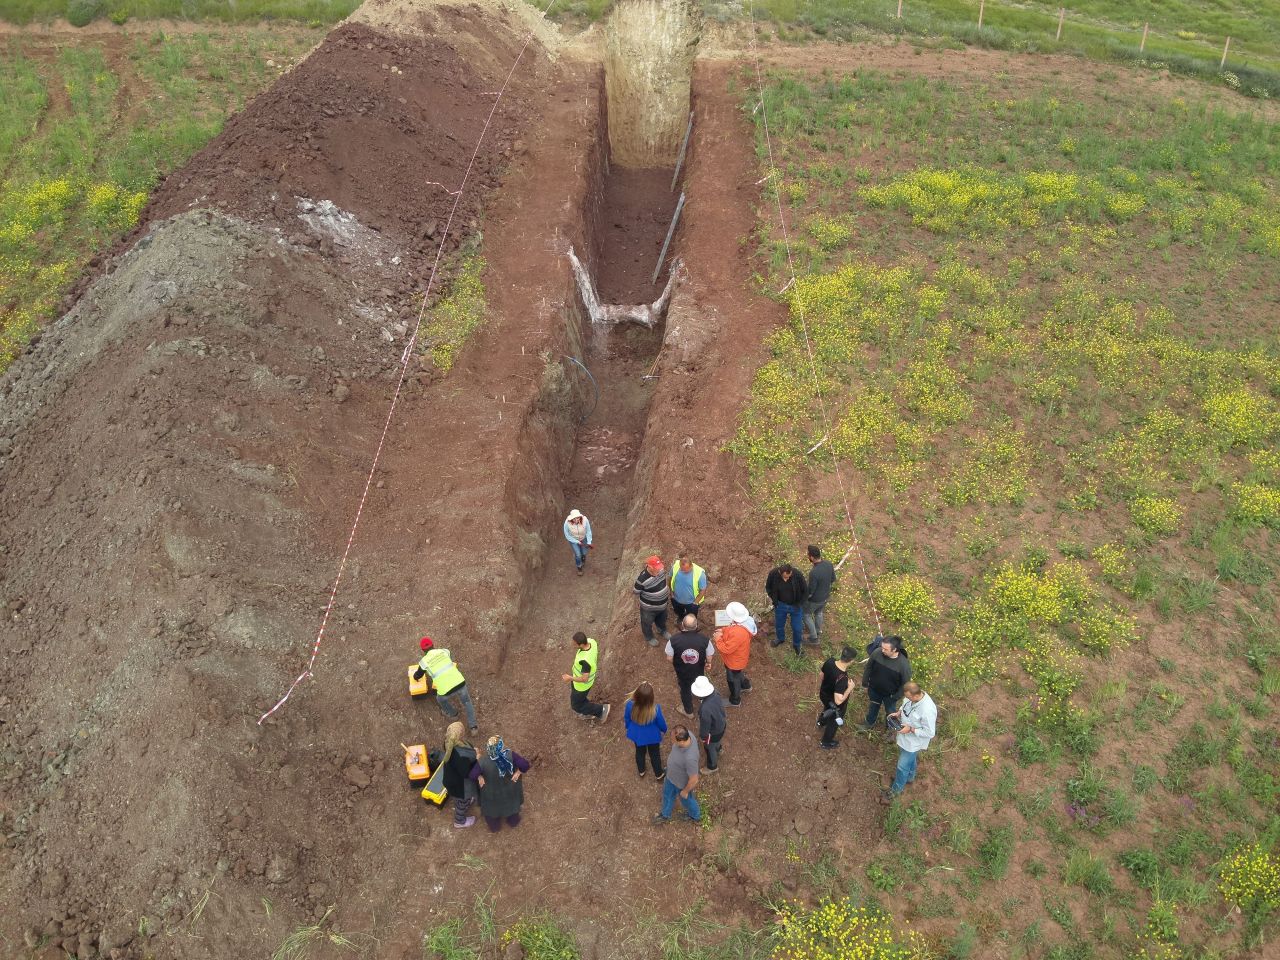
(1044, 334)
(1186, 37)
(85, 131)
(79, 12)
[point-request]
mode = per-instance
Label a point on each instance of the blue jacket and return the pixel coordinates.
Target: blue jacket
(643, 734)
(586, 528)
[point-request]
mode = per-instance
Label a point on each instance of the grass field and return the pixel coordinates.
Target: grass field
(86, 130)
(81, 12)
(1044, 337)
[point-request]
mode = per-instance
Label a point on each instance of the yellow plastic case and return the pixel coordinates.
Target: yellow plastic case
(418, 688)
(416, 765)
(435, 790)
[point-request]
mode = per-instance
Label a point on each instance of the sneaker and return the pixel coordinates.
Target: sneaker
(828, 746)
(746, 685)
(775, 643)
(660, 777)
(642, 773)
(469, 822)
(652, 643)
(580, 571)
(706, 770)
(666, 636)
(735, 703)
(886, 798)
(684, 713)
(659, 820)
(605, 716)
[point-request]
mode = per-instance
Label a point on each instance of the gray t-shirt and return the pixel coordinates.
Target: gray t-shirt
(682, 764)
(821, 577)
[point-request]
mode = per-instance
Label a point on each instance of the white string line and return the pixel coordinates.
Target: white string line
(798, 301)
(404, 367)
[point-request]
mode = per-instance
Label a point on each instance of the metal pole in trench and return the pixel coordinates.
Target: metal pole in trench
(683, 147)
(666, 243)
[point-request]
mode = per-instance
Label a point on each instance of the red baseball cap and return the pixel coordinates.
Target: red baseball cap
(425, 643)
(654, 561)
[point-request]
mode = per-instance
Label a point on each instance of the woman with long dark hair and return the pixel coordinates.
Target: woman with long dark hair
(645, 727)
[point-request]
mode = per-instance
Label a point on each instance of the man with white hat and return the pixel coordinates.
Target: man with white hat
(712, 721)
(577, 530)
(734, 644)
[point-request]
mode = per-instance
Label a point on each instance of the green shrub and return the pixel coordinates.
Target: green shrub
(80, 13)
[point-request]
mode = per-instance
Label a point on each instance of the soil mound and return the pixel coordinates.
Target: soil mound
(180, 456)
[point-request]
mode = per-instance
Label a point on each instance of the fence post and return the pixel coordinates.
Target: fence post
(982, 5)
(1062, 15)
(1143, 45)
(1225, 47)
(899, 9)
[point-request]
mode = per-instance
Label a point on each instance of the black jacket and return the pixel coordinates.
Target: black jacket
(791, 591)
(458, 768)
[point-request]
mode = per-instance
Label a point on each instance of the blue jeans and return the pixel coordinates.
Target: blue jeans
(579, 553)
(906, 771)
(782, 612)
(873, 708)
(449, 704)
(669, 793)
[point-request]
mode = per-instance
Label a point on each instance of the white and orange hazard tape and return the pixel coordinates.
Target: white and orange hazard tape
(404, 369)
(763, 109)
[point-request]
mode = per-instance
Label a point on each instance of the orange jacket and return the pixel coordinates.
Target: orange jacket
(734, 646)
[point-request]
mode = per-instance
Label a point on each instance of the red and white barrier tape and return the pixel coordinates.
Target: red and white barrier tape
(404, 369)
(763, 108)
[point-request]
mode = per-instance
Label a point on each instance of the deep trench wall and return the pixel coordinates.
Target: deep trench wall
(649, 51)
(534, 498)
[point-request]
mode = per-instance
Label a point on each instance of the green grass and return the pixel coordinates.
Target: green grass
(1102, 29)
(73, 176)
(314, 12)
(1040, 319)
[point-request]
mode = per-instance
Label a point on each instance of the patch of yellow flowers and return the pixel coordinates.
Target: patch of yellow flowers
(838, 930)
(1250, 878)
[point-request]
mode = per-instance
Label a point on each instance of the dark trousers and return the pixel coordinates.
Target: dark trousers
(686, 692)
(655, 758)
(650, 618)
(738, 681)
(712, 747)
(495, 823)
(580, 704)
(830, 727)
(682, 608)
(888, 701)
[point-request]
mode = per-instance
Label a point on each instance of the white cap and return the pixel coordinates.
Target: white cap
(702, 687)
(737, 612)
(575, 515)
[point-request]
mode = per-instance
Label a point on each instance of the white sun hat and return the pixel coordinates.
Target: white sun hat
(702, 687)
(737, 612)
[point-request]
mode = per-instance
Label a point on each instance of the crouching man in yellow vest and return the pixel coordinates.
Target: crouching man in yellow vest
(583, 678)
(447, 681)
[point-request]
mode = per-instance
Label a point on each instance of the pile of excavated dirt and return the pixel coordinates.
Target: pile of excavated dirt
(181, 456)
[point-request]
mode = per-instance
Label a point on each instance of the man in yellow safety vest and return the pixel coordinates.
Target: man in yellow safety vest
(688, 584)
(583, 678)
(447, 681)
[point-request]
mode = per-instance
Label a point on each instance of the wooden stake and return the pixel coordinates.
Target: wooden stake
(1143, 45)
(982, 6)
(899, 9)
(1062, 15)
(1225, 47)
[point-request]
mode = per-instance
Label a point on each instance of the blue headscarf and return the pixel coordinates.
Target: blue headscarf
(501, 756)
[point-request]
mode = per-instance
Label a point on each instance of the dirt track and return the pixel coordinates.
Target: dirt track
(189, 444)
